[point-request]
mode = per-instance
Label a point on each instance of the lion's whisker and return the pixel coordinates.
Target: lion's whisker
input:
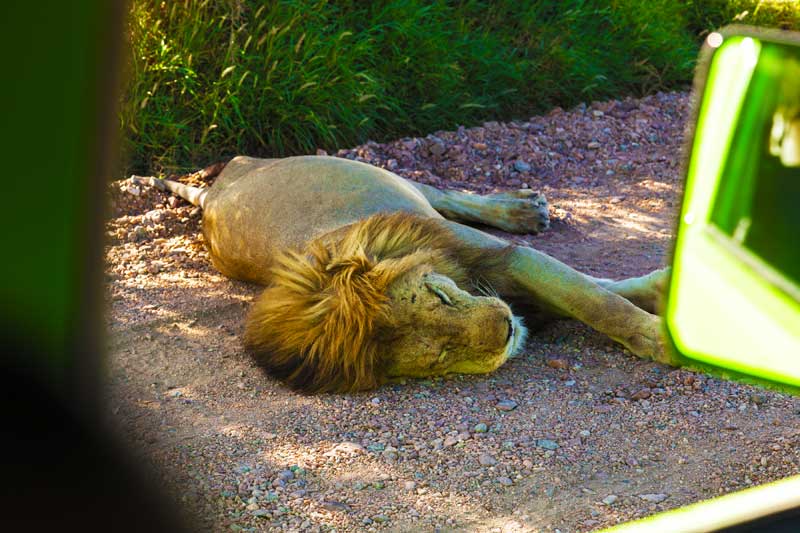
(485, 288)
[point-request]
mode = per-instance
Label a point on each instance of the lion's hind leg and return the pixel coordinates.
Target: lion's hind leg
(522, 211)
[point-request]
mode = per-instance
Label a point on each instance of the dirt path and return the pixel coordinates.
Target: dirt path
(591, 437)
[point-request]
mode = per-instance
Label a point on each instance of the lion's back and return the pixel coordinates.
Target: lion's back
(258, 207)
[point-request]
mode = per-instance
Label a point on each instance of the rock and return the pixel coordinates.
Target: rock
(642, 394)
(480, 428)
(585, 433)
(653, 498)
(610, 499)
(598, 113)
(505, 481)
(153, 217)
(376, 447)
(521, 166)
(560, 364)
(345, 448)
(380, 518)
(547, 444)
(137, 234)
(335, 506)
(486, 460)
(390, 453)
(436, 147)
(480, 146)
(261, 513)
(450, 441)
(410, 485)
(758, 399)
(252, 506)
(506, 405)
(594, 145)
(378, 485)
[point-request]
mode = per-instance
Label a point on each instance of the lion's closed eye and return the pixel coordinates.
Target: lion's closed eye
(440, 293)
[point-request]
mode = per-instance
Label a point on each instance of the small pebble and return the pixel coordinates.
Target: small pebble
(486, 460)
(653, 498)
(505, 481)
(547, 444)
(480, 428)
(610, 499)
(641, 394)
(521, 166)
(335, 506)
(506, 405)
(560, 364)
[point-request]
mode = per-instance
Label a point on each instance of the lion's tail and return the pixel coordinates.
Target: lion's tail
(193, 195)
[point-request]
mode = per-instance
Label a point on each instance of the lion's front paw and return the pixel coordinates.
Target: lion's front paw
(650, 343)
(522, 211)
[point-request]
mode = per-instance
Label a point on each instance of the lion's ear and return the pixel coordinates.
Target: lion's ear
(315, 326)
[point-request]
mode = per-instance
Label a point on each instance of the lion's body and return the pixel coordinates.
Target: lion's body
(365, 278)
(258, 208)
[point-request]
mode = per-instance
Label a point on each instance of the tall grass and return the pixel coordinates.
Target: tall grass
(207, 79)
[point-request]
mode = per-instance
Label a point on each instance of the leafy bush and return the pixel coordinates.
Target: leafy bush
(706, 15)
(207, 79)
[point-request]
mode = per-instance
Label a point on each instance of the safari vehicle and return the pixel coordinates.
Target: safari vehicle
(733, 306)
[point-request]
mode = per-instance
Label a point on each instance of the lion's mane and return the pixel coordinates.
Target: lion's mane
(323, 324)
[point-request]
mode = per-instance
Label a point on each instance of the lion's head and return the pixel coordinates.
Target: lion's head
(382, 300)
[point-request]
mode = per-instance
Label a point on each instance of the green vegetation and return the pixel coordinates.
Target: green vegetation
(207, 79)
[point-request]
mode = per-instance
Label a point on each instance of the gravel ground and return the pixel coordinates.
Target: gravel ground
(573, 435)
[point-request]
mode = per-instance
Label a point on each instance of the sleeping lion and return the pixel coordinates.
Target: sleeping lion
(369, 277)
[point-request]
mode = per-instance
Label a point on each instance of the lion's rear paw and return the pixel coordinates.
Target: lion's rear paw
(522, 211)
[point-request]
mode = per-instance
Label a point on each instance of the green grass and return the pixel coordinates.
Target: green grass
(209, 79)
